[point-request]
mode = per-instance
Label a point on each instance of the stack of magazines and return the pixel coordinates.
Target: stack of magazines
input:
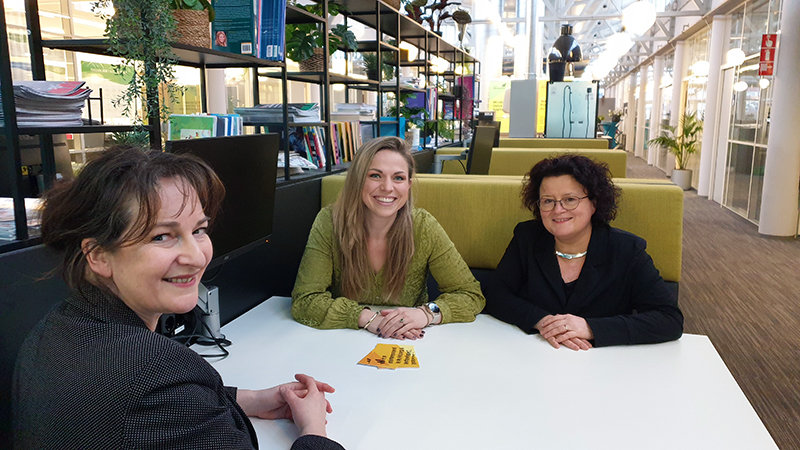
(365, 111)
(49, 103)
(273, 113)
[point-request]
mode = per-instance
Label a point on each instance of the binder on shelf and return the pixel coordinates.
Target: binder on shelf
(390, 129)
(193, 126)
(271, 20)
(234, 27)
(229, 124)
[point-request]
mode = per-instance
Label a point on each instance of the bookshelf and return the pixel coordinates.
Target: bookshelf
(388, 23)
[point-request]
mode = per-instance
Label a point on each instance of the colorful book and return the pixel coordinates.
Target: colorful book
(185, 126)
(234, 27)
(271, 29)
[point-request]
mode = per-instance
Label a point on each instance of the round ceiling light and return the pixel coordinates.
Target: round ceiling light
(735, 57)
(638, 17)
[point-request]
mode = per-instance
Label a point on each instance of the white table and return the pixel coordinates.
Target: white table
(488, 385)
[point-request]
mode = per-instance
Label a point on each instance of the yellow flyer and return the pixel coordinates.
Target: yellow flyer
(391, 356)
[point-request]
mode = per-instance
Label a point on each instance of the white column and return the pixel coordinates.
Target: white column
(655, 110)
(630, 116)
(779, 197)
(719, 37)
(640, 114)
(534, 56)
(678, 72)
(216, 93)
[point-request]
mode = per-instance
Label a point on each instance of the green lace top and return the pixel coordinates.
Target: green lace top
(317, 299)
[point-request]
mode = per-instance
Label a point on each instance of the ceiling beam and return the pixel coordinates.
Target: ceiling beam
(582, 18)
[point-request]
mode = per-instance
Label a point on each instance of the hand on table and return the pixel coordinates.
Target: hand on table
(566, 329)
(307, 404)
(274, 403)
(402, 323)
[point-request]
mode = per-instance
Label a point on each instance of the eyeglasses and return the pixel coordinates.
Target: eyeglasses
(568, 203)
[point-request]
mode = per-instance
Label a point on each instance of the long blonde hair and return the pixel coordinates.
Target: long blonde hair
(350, 226)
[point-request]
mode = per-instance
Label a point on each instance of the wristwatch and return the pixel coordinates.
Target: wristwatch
(434, 309)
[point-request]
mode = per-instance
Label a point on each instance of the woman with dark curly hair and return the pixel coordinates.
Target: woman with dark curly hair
(570, 276)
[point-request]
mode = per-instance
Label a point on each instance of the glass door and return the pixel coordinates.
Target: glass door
(747, 143)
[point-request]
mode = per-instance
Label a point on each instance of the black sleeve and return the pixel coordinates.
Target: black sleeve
(179, 401)
(508, 280)
(655, 318)
(314, 442)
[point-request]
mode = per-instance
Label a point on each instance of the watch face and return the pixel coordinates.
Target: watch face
(433, 307)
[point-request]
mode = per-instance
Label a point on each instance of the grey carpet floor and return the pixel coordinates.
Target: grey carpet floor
(742, 290)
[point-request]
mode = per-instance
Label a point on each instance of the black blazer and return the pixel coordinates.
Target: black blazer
(619, 291)
(91, 375)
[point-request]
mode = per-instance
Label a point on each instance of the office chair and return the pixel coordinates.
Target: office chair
(480, 152)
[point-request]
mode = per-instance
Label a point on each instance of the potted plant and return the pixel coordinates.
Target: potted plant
(141, 33)
(610, 128)
(681, 142)
(371, 67)
(192, 19)
(304, 41)
(415, 118)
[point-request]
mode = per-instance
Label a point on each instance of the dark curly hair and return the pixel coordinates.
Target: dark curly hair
(592, 175)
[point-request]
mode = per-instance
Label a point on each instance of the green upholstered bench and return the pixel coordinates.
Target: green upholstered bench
(518, 161)
(599, 143)
(479, 213)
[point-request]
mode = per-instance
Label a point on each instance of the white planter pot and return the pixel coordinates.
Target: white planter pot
(412, 138)
(683, 178)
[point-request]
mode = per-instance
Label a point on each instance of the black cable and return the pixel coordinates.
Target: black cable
(200, 339)
(221, 343)
(563, 111)
(570, 111)
(588, 93)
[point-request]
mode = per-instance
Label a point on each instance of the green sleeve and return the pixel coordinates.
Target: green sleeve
(313, 303)
(461, 299)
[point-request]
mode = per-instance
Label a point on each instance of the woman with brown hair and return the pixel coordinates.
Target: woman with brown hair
(372, 247)
(93, 373)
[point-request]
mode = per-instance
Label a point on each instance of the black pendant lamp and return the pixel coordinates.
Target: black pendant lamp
(565, 50)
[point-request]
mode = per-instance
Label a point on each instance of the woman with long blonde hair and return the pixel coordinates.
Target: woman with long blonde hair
(372, 247)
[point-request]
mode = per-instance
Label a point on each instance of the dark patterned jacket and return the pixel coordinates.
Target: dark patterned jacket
(92, 375)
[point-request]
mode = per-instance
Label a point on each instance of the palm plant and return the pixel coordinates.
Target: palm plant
(681, 141)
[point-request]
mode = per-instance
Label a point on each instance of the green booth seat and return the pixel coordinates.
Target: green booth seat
(479, 213)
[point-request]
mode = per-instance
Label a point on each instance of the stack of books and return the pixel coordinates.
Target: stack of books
(273, 113)
(364, 111)
(49, 103)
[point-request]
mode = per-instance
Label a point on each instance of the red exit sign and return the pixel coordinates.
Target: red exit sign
(766, 62)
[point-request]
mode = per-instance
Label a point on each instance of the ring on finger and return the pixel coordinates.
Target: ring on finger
(401, 320)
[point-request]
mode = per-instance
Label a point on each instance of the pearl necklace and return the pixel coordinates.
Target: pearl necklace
(569, 256)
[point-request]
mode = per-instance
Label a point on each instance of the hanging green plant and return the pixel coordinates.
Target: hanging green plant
(141, 32)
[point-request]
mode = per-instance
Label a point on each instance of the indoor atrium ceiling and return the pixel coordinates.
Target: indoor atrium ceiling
(596, 21)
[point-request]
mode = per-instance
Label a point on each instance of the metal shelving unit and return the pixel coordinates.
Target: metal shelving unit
(388, 23)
